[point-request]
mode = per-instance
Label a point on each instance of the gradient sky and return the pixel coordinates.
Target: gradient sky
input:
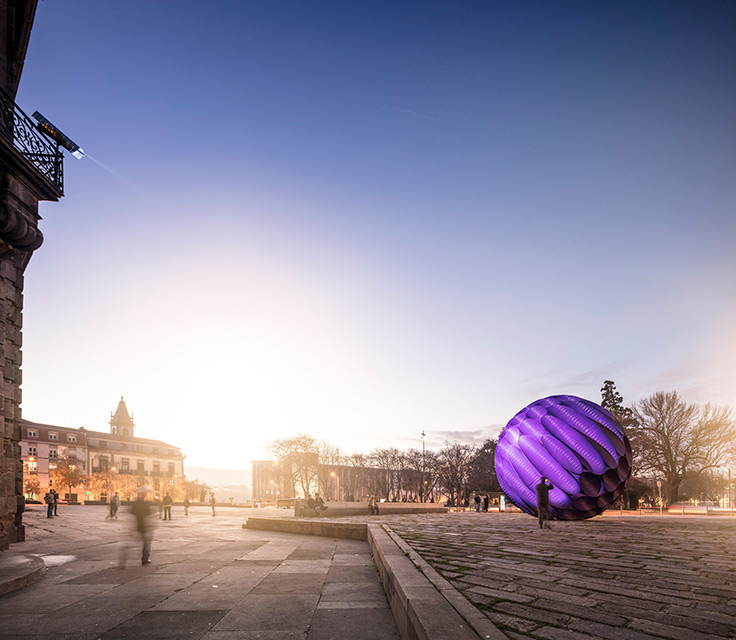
(362, 220)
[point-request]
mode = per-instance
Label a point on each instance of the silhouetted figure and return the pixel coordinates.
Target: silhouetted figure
(186, 506)
(476, 500)
(167, 507)
(114, 506)
(49, 500)
(141, 510)
(319, 504)
(56, 500)
(486, 500)
(212, 503)
(543, 489)
(373, 506)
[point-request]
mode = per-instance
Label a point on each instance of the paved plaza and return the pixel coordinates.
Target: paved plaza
(618, 577)
(613, 577)
(209, 578)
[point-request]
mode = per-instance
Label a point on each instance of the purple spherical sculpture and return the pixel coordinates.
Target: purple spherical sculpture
(576, 444)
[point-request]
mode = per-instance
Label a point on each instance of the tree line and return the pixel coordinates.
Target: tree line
(455, 471)
(681, 451)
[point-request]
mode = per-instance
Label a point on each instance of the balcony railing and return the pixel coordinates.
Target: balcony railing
(21, 132)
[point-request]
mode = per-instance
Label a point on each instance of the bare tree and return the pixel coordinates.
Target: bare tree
(298, 459)
(387, 463)
(453, 468)
(678, 440)
(329, 458)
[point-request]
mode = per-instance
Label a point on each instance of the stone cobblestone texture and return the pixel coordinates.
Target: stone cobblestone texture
(617, 577)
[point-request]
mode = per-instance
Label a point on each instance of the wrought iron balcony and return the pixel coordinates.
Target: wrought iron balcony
(18, 129)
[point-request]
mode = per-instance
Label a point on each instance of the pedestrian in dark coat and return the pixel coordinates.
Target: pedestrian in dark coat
(167, 507)
(141, 510)
(543, 489)
(49, 500)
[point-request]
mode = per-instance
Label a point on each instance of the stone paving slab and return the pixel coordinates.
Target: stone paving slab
(209, 578)
(624, 578)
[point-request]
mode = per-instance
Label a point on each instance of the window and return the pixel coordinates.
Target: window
(141, 467)
(53, 435)
(104, 463)
(157, 467)
(31, 465)
(125, 465)
(32, 433)
(32, 451)
(53, 453)
(70, 437)
(172, 469)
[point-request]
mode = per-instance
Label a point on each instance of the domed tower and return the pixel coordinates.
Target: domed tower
(121, 422)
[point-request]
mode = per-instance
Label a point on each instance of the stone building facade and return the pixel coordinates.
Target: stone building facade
(129, 463)
(30, 171)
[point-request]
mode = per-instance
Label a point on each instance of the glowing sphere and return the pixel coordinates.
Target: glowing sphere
(576, 444)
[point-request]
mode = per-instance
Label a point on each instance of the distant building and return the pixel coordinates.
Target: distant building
(118, 459)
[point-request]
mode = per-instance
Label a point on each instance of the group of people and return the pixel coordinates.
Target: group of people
(316, 503)
(164, 506)
(481, 502)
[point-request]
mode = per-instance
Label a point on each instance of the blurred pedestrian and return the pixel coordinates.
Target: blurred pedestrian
(141, 510)
(212, 503)
(56, 500)
(186, 506)
(114, 506)
(476, 500)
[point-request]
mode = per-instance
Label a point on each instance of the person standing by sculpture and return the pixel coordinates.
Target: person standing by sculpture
(543, 489)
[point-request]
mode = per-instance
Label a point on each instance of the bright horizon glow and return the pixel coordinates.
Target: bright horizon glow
(362, 222)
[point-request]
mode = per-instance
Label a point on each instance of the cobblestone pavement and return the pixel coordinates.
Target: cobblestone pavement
(617, 577)
(209, 578)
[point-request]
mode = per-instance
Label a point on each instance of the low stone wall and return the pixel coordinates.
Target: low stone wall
(348, 530)
(339, 509)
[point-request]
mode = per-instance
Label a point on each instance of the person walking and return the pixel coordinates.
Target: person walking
(167, 507)
(49, 500)
(114, 506)
(141, 510)
(486, 500)
(476, 500)
(186, 506)
(212, 503)
(543, 489)
(56, 500)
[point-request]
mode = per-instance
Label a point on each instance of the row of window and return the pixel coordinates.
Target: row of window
(71, 452)
(52, 435)
(102, 444)
(140, 466)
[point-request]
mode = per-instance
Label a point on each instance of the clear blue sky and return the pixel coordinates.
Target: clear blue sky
(362, 220)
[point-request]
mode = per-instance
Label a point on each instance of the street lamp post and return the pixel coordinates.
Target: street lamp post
(424, 483)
